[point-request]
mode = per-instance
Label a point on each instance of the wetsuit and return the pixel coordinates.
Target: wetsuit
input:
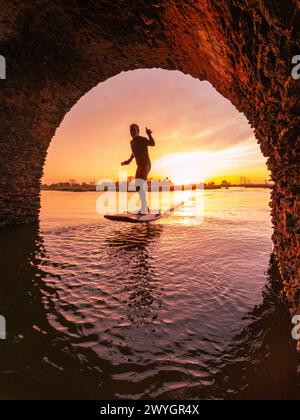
(139, 147)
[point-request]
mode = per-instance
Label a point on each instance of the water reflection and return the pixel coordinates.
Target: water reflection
(45, 357)
(36, 360)
(129, 248)
(261, 362)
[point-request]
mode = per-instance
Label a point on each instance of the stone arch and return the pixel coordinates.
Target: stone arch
(57, 51)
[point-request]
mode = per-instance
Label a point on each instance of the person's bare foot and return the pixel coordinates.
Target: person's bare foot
(141, 213)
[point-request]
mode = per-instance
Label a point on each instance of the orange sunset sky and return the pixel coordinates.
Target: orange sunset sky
(199, 134)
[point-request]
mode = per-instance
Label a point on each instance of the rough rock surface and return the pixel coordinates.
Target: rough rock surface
(57, 50)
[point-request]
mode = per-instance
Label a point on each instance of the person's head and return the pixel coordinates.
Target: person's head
(134, 130)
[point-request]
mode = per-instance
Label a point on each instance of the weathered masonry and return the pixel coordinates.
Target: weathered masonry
(57, 51)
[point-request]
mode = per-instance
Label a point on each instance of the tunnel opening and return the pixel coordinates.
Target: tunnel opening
(145, 273)
(201, 138)
(55, 54)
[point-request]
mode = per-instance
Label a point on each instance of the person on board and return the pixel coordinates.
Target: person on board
(139, 147)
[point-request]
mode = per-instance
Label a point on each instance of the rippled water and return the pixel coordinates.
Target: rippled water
(180, 308)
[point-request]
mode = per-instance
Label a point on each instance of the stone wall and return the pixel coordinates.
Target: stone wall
(57, 51)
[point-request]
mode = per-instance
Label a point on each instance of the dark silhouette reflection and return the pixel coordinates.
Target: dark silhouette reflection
(45, 356)
(37, 361)
(129, 248)
(261, 362)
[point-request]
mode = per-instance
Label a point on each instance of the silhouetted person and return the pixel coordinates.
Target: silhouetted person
(139, 147)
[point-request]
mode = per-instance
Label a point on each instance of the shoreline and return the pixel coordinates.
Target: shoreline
(179, 188)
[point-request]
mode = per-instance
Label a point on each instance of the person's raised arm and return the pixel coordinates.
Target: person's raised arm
(127, 162)
(151, 141)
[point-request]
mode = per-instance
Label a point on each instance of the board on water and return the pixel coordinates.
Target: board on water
(141, 218)
(133, 218)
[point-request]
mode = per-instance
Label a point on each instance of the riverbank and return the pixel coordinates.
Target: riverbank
(84, 188)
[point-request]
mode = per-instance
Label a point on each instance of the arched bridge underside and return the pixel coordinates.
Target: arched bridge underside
(56, 51)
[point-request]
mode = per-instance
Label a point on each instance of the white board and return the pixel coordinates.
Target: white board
(142, 218)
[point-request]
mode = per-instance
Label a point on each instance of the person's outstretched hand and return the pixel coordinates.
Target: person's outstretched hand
(148, 131)
(124, 163)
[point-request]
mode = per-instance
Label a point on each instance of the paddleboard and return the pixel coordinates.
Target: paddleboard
(141, 218)
(134, 218)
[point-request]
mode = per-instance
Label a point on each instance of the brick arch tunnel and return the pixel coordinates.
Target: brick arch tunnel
(57, 51)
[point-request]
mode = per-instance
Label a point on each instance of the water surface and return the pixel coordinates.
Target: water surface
(186, 307)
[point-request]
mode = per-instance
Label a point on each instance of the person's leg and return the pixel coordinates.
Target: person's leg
(141, 182)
